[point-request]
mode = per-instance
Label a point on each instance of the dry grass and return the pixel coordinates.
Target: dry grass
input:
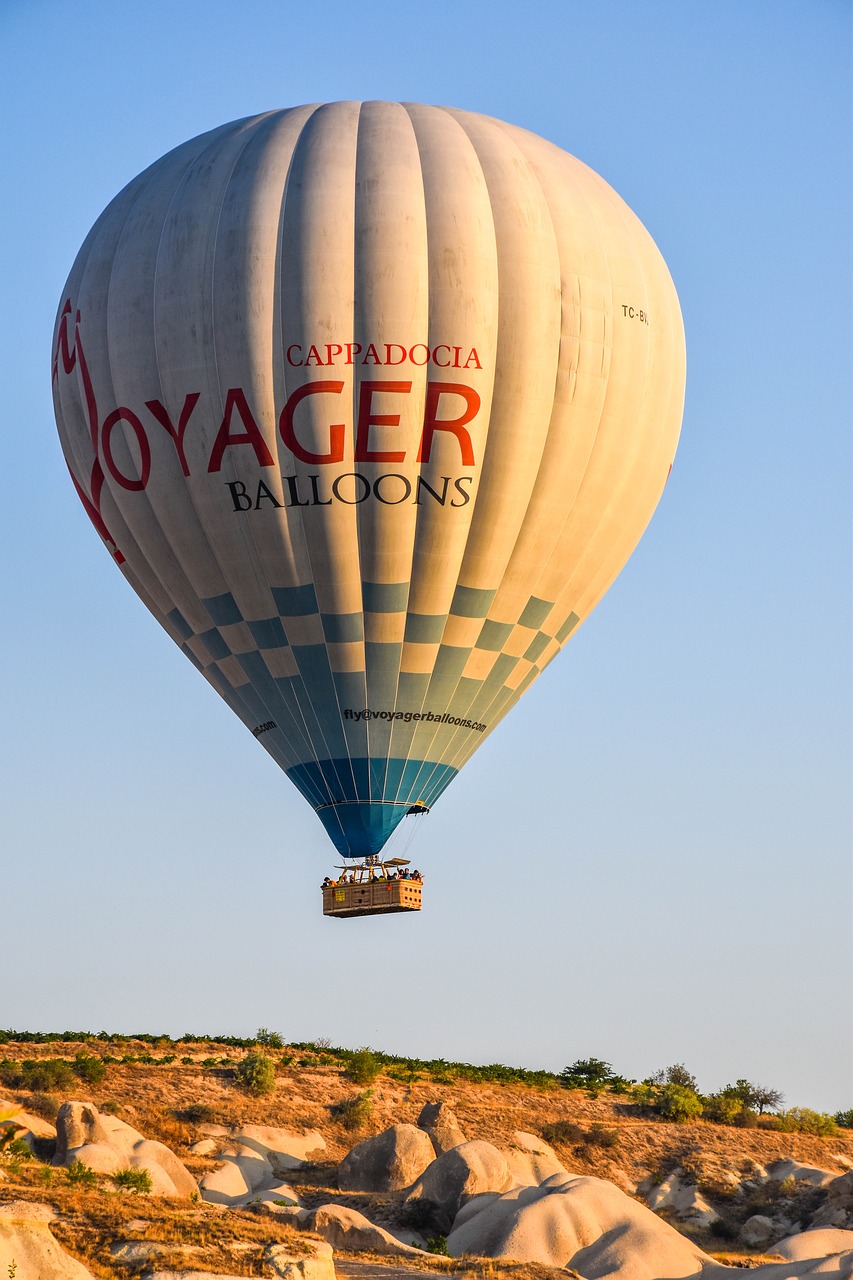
(469, 1266)
(194, 1235)
(155, 1100)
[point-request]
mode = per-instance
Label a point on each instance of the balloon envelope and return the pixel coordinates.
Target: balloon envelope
(370, 402)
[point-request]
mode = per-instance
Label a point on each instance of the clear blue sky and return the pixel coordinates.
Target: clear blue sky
(650, 861)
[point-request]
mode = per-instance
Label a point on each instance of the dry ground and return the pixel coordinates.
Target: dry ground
(154, 1099)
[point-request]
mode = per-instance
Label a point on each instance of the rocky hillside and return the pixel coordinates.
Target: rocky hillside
(171, 1158)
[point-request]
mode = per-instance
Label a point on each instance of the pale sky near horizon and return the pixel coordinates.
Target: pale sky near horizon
(650, 860)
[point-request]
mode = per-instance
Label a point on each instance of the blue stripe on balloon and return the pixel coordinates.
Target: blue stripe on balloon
(385, 597)
(295, 602)
(268, 633)
(471, 602)
(358, 819)
(179, 624)
(222, 609)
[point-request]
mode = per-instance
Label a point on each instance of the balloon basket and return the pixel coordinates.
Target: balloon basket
(372, 891)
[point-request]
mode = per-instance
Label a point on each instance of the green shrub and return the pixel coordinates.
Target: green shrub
(8, 1129)
(89, 1068)
(594, 1075)
(562, 1131)
(80, 1175)
(438, 1244)
(136, 1180)
(722, 1107)
(271, 1039)
(420, 1214)
(804, 1120)
(354, 1113)
(754, 1097)
(844, 1119)
(197, 1113)
(677, 1103)
(645, 1096)
(19, 1149)
(44, 1105)
(676, 1074)
(723, 1230)
(53, 1073)
(39, 1075)
(256, 1074)
(600, 1136)
(363, 1066)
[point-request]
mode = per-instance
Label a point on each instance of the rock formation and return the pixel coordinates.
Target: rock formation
(345, 1228)
(439, 1121)
(107, 1145)
(680, 1194)
(467, 1170)
(255, 1160)
(586, 1224)
(820, 1243)
(28, 1251)
(530, 1160)
(391, 1161)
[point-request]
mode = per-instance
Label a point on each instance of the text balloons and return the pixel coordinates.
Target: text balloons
(370, 402)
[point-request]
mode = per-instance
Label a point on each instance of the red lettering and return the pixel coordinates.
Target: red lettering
(432, 423)
(419, 346)
(457, 351)
(371, 352)
(236, 399)
(353, 349)
(165, 421)
(442, 364)
(111, 420)
(290, 360)
(336, 431)
(367, 419)
(388, 348)
(93, 507)
(313, 356)
(476, 359)
(333, 349)
(72, 357)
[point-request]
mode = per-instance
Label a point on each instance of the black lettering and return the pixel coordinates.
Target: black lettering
(440, 498)
(391, 502)
(267, 725)
(241, 499)
(351, 475)
(291, 482)
(264, 491)
(466, 497)
(317, 501)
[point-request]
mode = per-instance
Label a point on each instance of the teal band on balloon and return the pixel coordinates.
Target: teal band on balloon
(361, 801)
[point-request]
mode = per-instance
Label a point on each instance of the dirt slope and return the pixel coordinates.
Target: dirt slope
(155, 1097)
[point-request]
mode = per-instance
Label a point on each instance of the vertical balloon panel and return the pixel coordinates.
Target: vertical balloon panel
(370, 402)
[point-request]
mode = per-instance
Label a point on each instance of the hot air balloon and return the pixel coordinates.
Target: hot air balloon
(370, 402)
